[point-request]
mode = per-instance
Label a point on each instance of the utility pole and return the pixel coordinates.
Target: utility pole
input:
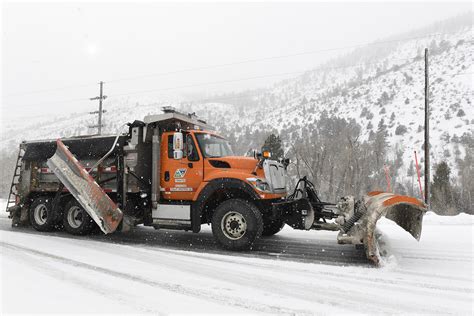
(100, 98)
(427, 133)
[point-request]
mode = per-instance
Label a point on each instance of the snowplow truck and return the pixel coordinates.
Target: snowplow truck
(171, 171)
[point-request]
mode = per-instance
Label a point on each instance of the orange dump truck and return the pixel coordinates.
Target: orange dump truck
(170, 171)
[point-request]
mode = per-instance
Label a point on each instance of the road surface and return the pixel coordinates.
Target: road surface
(294, 272)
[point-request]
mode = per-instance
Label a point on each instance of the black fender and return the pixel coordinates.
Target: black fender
(231, 185)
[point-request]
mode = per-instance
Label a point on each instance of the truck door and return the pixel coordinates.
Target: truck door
(180, 178)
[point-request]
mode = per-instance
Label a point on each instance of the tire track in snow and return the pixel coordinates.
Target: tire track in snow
(176, 288)
(431, 275)
(327, 287)
(281, 248)
(377, 280)
(28, 258)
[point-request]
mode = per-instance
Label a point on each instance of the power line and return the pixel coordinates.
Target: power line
(217, 98)
(228, 81)
(291, 108)
(231, 64)
(272, 58)
(254, 77)
(241, 79)
(210, 83)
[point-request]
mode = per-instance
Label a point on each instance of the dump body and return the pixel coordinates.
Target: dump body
(85, 189)
(37, 177)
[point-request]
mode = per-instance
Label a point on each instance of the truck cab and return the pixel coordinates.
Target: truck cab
(208, 156)
(200, 176)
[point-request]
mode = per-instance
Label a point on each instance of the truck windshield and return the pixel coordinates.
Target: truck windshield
(213, 146)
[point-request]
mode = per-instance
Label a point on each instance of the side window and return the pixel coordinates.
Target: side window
(191, 150)
(170, 146)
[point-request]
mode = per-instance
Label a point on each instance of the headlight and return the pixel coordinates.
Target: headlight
(260, 184)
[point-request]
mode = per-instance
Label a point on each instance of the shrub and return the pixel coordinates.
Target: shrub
(400, 130)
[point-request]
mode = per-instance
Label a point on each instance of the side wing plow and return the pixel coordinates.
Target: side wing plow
(83, 187)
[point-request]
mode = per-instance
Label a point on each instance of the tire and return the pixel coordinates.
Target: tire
(237, 224)
(42, 217)
(76, 221)
(271, 227)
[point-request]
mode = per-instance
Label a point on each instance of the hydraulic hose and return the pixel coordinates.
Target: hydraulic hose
(111, 149)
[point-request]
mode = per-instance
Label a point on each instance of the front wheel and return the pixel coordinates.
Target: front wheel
(237, 224)
(76, 221)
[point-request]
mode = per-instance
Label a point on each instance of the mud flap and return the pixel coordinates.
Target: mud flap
(83, 187)
(406, 211)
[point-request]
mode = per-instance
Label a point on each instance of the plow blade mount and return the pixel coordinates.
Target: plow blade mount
(406, 211)
(83, 187)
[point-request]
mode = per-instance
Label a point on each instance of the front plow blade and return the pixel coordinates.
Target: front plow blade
(406, 211)
(83, 187)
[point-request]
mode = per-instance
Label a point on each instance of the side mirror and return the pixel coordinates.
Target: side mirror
(178, 145)
(256, 154)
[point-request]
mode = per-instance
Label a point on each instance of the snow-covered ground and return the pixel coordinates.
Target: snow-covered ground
(149, 272)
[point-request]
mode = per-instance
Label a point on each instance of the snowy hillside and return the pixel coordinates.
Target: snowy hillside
(391, 90)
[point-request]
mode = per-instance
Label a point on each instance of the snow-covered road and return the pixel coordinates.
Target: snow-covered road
(292, 273)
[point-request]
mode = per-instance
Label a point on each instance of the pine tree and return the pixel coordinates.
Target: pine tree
(441, 190)
(273, 145)
(380, 144)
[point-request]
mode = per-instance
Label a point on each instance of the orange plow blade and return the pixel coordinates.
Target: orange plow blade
(406, 211)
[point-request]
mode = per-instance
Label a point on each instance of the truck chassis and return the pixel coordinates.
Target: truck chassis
(117, 182)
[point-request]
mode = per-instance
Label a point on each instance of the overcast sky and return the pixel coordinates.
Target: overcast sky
(58, 45)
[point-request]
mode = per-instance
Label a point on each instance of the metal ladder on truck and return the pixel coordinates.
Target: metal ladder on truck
(15, 180)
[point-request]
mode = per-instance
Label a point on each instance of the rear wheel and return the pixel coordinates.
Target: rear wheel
(76, 221)
(237, 224)
(42, 216)
(271, 227)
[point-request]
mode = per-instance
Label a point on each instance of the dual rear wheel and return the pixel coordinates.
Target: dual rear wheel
(42, 216)
(72, 217)
(76, 221)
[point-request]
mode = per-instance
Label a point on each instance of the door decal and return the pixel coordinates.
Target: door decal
(179, 173)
